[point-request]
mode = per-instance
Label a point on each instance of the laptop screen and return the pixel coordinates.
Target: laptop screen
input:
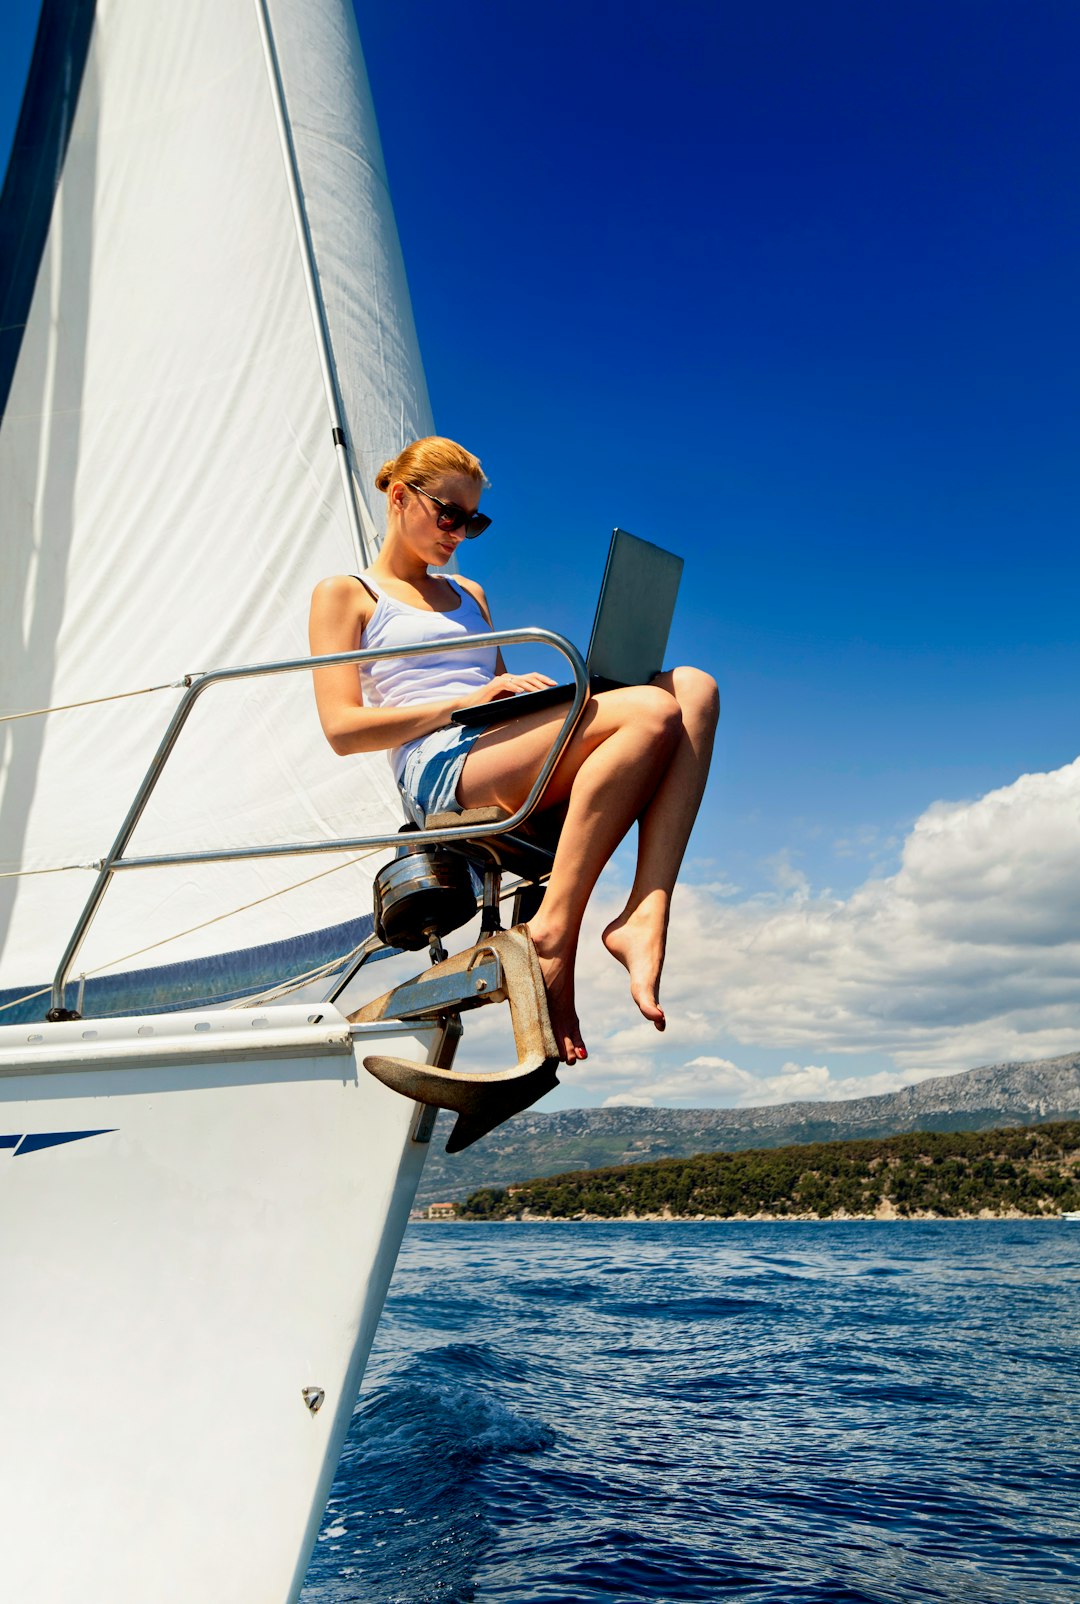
(633, 617)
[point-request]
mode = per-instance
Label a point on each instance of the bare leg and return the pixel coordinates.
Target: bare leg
(638, 937)
(606, 777)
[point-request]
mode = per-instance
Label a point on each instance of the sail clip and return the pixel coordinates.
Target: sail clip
(503, 966)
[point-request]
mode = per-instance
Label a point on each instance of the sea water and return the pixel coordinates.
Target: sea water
(857, 1412)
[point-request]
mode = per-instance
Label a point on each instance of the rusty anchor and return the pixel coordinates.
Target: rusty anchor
(502, 966)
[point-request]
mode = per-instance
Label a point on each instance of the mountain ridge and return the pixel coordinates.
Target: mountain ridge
(532, 1145)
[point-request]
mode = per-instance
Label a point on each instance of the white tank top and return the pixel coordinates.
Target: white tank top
(431, 677)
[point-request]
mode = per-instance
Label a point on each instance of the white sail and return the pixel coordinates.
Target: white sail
(169, 485)
(204, 330)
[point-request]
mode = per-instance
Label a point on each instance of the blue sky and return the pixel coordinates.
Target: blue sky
(791, 289)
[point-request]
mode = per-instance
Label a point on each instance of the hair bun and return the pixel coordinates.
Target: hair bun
(424, 460)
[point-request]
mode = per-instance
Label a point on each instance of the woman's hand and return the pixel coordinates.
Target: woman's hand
(504, 685)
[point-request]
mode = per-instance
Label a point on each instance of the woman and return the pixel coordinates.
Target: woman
(639, 753)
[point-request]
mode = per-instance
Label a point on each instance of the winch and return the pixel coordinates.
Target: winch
(422, 894)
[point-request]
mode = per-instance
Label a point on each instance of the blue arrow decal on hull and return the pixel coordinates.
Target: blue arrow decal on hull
(39, 1139)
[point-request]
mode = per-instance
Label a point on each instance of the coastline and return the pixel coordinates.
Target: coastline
(1025, 1173)
(881, 1216)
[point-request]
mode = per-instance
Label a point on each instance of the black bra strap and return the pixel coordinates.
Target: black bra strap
(372, 592)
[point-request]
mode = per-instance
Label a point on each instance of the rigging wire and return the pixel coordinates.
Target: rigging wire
(255, 1000)
(58, 868)
(296, 981)
(95, 701)
(218, 918)
(29, 997)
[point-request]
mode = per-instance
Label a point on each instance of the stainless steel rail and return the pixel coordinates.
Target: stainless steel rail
(199, 683)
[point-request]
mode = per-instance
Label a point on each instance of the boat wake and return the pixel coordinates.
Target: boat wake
(414, 1491)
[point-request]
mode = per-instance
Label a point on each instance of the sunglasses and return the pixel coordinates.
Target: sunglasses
(451, 517)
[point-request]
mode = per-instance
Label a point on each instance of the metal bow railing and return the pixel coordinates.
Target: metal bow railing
(199, 684)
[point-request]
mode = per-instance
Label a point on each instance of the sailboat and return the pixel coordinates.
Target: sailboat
(211, 1132)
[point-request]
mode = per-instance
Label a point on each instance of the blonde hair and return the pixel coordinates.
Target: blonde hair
(425, 460)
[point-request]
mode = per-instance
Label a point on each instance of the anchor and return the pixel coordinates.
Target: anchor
(503, 966)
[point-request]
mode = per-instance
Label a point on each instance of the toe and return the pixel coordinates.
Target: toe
(645, 998)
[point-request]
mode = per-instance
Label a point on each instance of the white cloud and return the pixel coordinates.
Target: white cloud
(969, 953)
(788, 879)
(709, 1082)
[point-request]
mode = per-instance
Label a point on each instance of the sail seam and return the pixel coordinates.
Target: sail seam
(363, 161)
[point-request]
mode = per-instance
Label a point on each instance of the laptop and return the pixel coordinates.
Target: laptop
(629, 633)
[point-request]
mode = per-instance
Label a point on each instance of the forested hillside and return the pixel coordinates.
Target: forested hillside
(535, 1143)
(1029, 1171)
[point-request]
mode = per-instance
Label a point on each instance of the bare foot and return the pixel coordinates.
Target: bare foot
(639, 941)
(557, 969)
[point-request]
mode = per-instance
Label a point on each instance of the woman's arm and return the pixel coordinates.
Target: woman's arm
(340, 610)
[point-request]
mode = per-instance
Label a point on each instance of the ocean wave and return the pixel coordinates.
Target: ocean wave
(598, 1416)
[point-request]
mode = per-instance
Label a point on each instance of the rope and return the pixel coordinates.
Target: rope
(94, 701)
(59, 868)
(205, 924)
(66, 707)
(294, 984)
(257, 1000)
(220, 917)
(30, 995)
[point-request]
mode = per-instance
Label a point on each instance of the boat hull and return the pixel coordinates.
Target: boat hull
(199, 1218)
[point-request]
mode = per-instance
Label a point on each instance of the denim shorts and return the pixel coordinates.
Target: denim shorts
(429, 780)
